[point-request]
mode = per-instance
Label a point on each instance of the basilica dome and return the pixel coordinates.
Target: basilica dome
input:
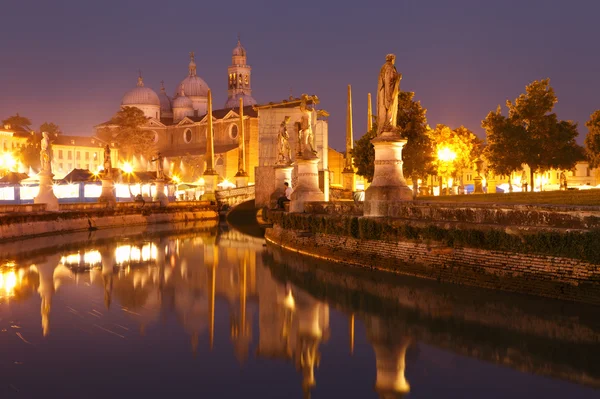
(182, 102)
(166, 108)
(193, 85)
(140, 95)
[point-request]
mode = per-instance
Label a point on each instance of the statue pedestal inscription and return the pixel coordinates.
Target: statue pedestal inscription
(283, 173)
(307, 188)
(46, 193)
(388, 183)
(108, 192)
(159, 194)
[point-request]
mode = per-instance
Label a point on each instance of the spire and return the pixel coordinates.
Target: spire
(349, 138)
(140, 82)
(181, 91)
(162, 87)
(192, 66)
(210, 150)
(369, 115)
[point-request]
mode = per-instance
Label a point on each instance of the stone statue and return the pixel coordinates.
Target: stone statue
(388, 86)
(284, 155)
(305, 133)
(107, 162)
(160, 174)
(45, 160)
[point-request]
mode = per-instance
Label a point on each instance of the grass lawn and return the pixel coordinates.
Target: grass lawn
(572, 197)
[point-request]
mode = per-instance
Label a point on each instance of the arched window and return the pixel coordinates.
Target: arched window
(187, 136)
(154, 136)
(233, 131)
(219, 162)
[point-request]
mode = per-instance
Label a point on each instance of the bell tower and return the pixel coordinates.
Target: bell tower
(238, 79)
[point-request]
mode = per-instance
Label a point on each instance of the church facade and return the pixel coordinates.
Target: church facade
(179, 123)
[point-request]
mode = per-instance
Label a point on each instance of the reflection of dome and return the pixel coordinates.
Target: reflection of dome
(239, 50)
(140, 95)
(234, 101)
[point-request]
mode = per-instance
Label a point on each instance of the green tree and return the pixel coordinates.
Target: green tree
(125, 129)
(52, 129)
(17, 121)
(501, 153)
(592, 140)
(543, 142)
(363, 155)
(30, 153)
(417, 154)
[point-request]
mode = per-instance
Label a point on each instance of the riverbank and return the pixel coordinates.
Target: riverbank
(546, 251)
(26, 221)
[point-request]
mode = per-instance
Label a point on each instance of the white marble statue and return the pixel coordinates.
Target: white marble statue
(388, 87)
(284, 155)
(305, 133)
(45, 159)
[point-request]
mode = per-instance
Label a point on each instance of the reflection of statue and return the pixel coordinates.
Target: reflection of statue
(45, 160)
(284, 155)
(160, 174)
(107, 162)
(388, 86)
(563, 181)
(305, 133)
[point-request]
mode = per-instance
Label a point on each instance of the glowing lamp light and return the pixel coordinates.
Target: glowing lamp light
(446, 155)
(225, 184)
(200, 181)
(127, 167)
(176, 179)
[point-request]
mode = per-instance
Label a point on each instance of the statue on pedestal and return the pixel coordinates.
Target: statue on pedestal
(160, 174)
(45, 159)
(388, 87)
(305, 133)
(563, 181)
(107, 162)
(284, 156)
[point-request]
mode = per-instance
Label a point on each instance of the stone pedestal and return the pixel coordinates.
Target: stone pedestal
(159, 195)
(388, 183)
(241, 179)
(108, 192)
(349, 180)
(46, 193)
(210, 185)
(283, 173)
(307, 188)
(478, 185)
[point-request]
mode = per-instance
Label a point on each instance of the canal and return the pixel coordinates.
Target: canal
(206, 311)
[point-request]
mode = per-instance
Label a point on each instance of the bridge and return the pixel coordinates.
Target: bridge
(231, 198)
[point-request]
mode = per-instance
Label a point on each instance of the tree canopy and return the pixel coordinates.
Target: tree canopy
(125, 129)
(532, 134)
(51, 128)
(16, 121)
(592, 140)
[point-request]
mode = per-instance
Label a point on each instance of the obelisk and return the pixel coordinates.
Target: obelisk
(349, 179)
(241, 177)
(369, 115)
(210, 175)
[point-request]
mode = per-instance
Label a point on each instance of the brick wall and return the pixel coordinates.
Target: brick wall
(555, 277)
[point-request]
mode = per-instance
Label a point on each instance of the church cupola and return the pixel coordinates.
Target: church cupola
(238, 79)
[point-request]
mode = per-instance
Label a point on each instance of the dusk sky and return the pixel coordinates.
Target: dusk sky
(70, 61)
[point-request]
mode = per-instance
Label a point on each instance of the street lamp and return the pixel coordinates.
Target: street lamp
(447, 156)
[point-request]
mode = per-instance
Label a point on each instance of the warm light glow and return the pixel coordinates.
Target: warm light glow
(127, 253)
(7, 161)
(200, 181)
(225, 184)
(8, 282)
(176, 179)
(446, 154)
(127, 167)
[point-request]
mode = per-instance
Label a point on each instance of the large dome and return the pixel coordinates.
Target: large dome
(140, 95)
(194, 86)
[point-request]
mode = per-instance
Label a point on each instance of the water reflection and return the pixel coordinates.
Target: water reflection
(281, 304)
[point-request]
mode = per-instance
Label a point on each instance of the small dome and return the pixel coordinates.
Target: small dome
(182, 102)
(234, 102)
(165, 100)
(239, 51)
(140, 95)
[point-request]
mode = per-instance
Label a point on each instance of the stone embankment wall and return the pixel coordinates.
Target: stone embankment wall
(19, 221)
(550, 252)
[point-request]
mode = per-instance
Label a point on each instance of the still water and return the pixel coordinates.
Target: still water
(214, 313)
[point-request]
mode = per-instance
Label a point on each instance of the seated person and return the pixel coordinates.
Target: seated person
(285, 197)
(139, 198)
